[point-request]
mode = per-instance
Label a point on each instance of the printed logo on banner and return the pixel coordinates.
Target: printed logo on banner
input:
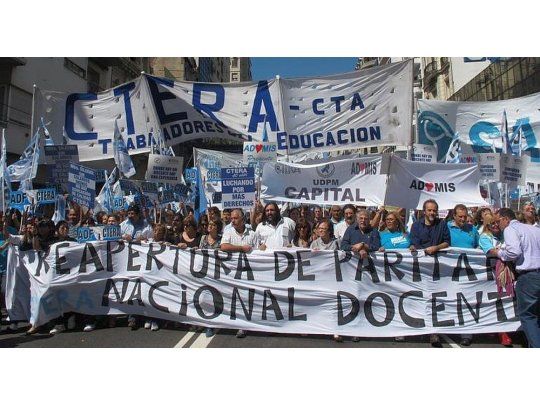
(119, 204)
(190, 175)
(326, 170)
(46, 196)
(111, 232)
(367, 168)
(85, 234)
(282, 169)
(18, 200)
(213, 175)
(164, 168)
(436, 187)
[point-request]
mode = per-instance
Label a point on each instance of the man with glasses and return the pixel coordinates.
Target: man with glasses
(522, 246)
(360, 237)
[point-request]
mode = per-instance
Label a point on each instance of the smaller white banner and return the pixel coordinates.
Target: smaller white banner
(348, 181)
(424, 153)
(514, 170)
(258, 153)
(412, 183)
(489, 164)
(164, 169)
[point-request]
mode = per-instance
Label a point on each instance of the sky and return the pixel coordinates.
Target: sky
(268, 68)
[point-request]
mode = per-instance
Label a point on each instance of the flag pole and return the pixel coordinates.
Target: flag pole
(33, 109)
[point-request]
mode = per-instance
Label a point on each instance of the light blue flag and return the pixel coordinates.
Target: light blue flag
(121, 155)
(506, 144)
(26, 167)
(454, 151)
(6, 179)
(200, 200)
(105, 199)
(59, 209)
(265, 133)
(48, 140)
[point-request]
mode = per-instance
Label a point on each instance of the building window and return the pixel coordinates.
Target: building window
(72, 66)
(234, 62)
(234, 77)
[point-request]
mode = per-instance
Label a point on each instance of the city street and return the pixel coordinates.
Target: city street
(182, 337)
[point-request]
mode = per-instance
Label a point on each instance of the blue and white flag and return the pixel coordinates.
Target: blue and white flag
(59, 209)
(26, 167)
(265, 133)
(121, 155)
(6, 179)
(506, 144)
(201, 202)
(454, 151)
(48, 139)
(105, 199)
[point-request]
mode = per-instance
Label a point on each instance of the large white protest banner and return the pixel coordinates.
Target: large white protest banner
(412, 183)
(478, 123)
(514, 170)
(349, 181)
(359, 109)
(287, 291)
(164, 169)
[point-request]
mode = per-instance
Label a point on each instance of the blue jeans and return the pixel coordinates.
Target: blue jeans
(528, 305)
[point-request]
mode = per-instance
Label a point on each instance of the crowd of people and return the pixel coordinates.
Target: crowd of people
(514, 238)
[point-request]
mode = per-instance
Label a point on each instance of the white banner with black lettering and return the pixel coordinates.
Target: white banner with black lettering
(369, 107)
(293, 291)
(412, 183)
(349, 181)
(514, 170)
(479, 123)
(359, 109)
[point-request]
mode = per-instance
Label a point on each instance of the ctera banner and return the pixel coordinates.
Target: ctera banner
(412, 183)
(349, 181)
(364, 108)
(394, 293)
(479, 123)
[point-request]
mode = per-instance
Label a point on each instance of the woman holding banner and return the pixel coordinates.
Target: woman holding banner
(490, 239)
(212, 240)
(189, 238)
(394, 236)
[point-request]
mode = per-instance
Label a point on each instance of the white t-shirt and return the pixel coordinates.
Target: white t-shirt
(275, 237)
(234, 238)
(339, 229)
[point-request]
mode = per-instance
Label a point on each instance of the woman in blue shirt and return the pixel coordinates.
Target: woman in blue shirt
(394, 236)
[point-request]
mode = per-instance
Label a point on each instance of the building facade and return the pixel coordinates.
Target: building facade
(240, 70)
(502, 79)
(184, 69)
(79, 75)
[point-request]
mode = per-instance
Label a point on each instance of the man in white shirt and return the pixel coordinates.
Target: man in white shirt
(349, 212)
(135, 228)
(522, 246)
(274, 231)
(238, 238)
